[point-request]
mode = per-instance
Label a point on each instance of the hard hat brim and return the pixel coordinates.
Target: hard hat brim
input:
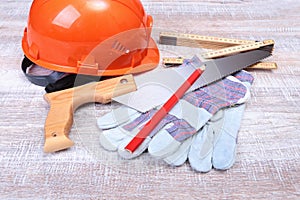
(149, 62)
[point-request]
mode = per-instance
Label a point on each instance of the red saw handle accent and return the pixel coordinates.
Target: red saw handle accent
(162, 112)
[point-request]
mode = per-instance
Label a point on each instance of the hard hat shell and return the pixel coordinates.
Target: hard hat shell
(95, 37)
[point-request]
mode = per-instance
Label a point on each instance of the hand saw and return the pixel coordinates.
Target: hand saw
(221, 47)
(155, 87)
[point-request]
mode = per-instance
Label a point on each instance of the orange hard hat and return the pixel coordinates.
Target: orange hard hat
(94, 37)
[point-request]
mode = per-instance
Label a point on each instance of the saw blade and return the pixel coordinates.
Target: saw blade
(155, 88)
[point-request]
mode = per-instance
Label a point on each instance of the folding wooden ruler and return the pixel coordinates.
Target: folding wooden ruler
(220, 47)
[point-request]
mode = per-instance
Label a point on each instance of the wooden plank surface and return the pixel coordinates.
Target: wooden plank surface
(267, 164)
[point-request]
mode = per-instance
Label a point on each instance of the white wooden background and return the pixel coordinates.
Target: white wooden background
(267, 165)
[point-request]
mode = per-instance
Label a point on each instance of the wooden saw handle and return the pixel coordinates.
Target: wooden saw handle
(64, 103)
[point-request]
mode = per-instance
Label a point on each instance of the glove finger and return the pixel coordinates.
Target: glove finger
(167, 141)
(117, 117)
(111, 138)
(200, 154)
(163, 144)
(225, 143)
(180, 156)
(122, 135)
(130, 155)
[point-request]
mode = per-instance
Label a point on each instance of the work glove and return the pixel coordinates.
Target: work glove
(176, 132)
(215, 144)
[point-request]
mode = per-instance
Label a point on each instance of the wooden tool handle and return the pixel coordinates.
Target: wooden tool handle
(64, 103)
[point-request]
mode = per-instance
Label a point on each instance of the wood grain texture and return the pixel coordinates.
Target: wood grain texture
(267, 164)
